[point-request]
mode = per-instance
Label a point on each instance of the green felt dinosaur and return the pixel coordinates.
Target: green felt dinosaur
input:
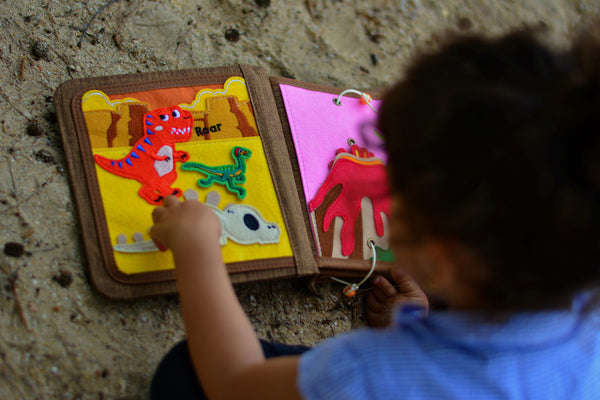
(231, 176)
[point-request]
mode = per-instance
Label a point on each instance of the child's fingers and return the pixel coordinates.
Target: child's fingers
(384, 294)
(404, 281)
(170, 201)
(374, 304)
(158, 214)
(408, 288)
(159, 245)
(383, 289)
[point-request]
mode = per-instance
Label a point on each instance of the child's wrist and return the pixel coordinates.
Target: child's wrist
(192, 254)
(197, 241)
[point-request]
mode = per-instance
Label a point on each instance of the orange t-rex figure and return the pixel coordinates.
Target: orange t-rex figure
(151, 161)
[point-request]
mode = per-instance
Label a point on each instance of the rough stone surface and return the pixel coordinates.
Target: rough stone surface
(69, 342)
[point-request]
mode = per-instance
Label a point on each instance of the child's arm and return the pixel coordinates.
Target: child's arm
(225, 351)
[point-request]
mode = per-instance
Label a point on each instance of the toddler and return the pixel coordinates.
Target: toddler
(494, 165)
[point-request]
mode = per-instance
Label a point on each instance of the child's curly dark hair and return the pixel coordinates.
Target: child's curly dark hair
(495, 143)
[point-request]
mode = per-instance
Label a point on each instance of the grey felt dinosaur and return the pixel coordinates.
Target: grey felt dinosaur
(240, 223)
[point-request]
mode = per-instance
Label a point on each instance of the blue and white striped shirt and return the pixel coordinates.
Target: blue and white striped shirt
(460, 355)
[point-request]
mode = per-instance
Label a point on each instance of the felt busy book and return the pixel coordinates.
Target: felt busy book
(294, 171)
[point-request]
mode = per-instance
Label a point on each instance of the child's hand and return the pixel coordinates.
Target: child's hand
(384, 297)
(185, 224)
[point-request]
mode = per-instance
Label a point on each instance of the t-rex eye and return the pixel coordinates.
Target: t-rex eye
(164, 117)
(175, 114)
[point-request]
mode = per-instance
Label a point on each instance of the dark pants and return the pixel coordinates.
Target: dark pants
(175, 377)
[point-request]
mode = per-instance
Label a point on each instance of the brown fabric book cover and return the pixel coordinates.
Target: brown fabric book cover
(295, 172)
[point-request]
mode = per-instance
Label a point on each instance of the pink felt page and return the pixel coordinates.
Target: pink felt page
(319, 128)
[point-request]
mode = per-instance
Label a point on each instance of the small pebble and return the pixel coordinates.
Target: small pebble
(34, 129)
(31, 19)
(40, 50)
(263, 3)
(14, 249)
(44, 156)
(63, 278)
(56, 308)
(232, 34)
(464, 23)
(374, 59)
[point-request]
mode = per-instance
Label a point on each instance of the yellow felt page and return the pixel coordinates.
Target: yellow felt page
(128, 213)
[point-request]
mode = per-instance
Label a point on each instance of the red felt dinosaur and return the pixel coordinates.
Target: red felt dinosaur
(151, 161)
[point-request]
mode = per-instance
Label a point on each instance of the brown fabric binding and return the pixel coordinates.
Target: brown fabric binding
(281, 168)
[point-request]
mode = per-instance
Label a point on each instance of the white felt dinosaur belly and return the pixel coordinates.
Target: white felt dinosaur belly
(165, 166)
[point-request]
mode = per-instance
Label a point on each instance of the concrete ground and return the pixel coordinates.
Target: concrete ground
(59, 339)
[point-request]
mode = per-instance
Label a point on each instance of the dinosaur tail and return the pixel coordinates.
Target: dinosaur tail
(194, 166)
(122, 167)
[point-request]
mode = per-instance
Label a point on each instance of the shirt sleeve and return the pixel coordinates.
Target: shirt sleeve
(331, 370)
